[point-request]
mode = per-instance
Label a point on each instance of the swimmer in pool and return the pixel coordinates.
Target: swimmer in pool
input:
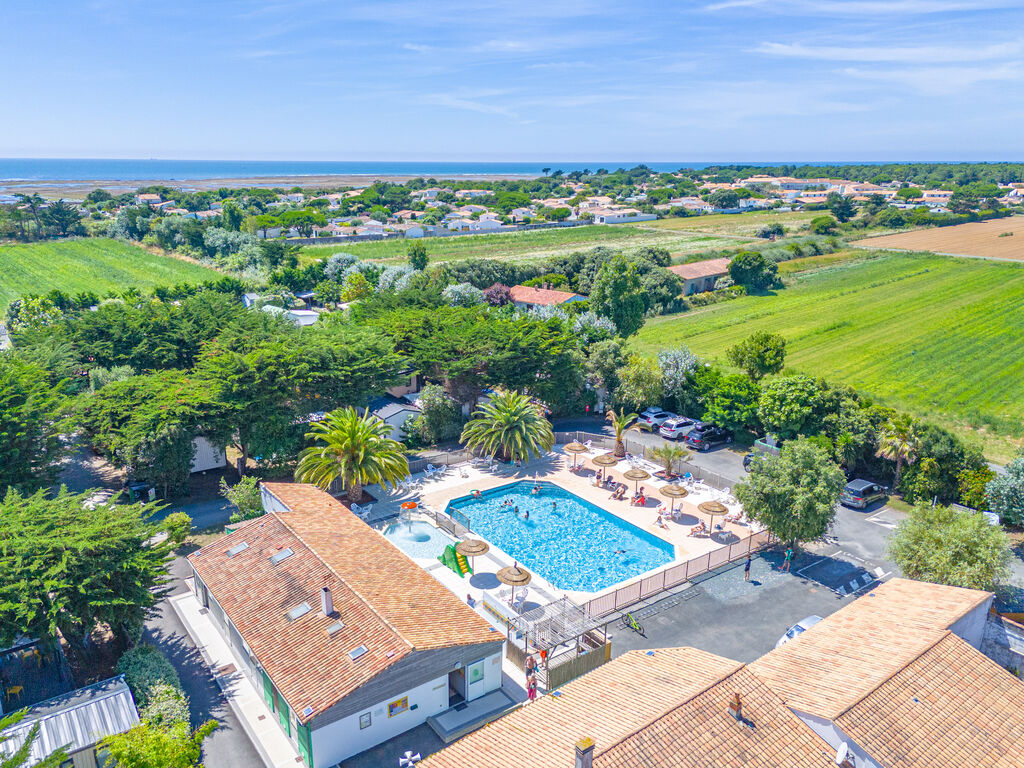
(526, 514)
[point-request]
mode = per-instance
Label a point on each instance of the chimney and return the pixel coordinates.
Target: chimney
(585, 753)
(326, 601)
(736, 707)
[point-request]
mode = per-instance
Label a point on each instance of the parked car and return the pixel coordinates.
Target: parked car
(798, 629)
(860, 494)
(653, 418)
(704, 436)
(752, 460)
(675, 428)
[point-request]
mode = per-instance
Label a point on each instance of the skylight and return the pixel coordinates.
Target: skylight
(335, 628)
(355, 653)
(298, 612)
(237, 549)
(284, 554)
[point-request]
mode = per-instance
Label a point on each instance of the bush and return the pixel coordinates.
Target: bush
(177, 525)
(154, 685)
(246, 497)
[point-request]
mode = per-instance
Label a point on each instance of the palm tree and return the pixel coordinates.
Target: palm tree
(899, 443)
(620, 423)
(355, 448)
(511, 425)
(847, 450)
(669, 454)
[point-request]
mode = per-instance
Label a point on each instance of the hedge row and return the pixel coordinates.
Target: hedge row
(155, 686)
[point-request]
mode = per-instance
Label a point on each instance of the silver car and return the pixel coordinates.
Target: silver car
(798, 629)
(653, 418)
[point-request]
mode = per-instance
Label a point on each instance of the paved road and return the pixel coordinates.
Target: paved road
(228, 746)
(204, 514)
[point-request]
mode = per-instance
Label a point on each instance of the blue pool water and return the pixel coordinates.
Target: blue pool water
(575, 545)
(417, 538)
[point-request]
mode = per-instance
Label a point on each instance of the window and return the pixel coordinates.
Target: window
(298, 612)
(335, 628)
(355, 653)
(475, 672)
(398, 706)
(365, 720)
(237, 549)
(284, 554)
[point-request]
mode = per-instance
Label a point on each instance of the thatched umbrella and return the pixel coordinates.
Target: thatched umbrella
(673, 492)
(712, 508)
(514, 576)
(472, 548)
(605, 460)
(574, 448)
(636, 474)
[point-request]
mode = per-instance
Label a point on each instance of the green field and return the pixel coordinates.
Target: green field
(96, 264)
(526, 246)
(936, 336)
(737, 224)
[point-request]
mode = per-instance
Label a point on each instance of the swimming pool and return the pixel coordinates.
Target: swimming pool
(417, 538)
(574, 544)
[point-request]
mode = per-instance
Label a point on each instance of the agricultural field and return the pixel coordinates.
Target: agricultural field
(743, 225)
(933, 335)
(530, 245)
(95, 264)
(995, 239)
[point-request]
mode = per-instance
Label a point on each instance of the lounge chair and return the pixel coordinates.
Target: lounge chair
(362, 512)
(463, 472)
(431, 470)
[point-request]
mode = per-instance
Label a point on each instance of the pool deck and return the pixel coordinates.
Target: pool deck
(435, 492)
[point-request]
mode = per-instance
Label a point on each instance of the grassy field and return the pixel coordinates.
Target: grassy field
(97, 265)
(530, 245)
(933, 335)
(997, 239)
(737, 224)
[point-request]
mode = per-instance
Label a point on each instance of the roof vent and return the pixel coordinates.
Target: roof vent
(355, 653)
(299, 611)
(284, 554)
(237, 549)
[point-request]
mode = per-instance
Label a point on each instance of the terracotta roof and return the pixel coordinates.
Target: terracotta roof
(698, 269)
(840, 660)
(541, 296)
(669, 708)
(386, 601)
(951, 706)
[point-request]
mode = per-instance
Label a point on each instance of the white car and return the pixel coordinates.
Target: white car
(798, 629)
(653, 418)
(675, 428)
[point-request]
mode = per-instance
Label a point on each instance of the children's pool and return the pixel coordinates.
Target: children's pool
(572, 543)
(417, 538)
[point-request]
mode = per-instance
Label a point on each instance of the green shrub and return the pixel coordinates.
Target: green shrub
(177, 525)
(167, 706)
(151, 679)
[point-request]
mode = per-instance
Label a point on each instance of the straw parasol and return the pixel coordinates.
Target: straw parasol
(636, 474)
(673, 492)
(574, 448)
(712, 508)
(472, 548)
(514, 576)
(605, 460)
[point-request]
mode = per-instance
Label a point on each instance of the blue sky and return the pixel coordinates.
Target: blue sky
(524, 80)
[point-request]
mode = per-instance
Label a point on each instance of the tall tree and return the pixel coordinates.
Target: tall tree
(418, 257)
(621, 422)
(617, 295)
(32, 417)
(899, 443)
(760, 354)
(149, 746)
(945, 546)
(69, 565)
(63, 217)
(357, 449)
(640, 383)
(843, 208)
(511, 426)
(794, 494)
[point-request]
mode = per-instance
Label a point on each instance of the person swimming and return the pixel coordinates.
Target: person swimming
(526, 514)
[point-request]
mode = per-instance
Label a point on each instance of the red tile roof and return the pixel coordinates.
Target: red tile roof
(669, 708)
(386, 601)
(698, 269)
(541, 296)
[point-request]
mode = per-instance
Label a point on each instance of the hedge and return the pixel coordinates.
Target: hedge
(155, 685)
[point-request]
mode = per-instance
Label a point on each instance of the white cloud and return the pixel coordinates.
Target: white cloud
(941, 80)
(888, 53)
(472, 101)
(418, 47)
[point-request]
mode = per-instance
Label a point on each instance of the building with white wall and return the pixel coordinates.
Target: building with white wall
(349, 640)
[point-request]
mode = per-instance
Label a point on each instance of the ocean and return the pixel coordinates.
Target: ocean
(29, 169)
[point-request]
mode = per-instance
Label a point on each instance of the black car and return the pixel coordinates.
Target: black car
(860, 494)
(705, 436)
(753, 460)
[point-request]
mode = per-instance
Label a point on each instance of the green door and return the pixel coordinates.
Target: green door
(305, 740)
(282, 715)
(268, 691)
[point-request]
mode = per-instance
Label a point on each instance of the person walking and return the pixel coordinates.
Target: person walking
(531, 688)
(787, 561)
(746, 569)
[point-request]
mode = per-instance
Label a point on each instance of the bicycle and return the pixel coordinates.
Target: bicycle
(631, 623)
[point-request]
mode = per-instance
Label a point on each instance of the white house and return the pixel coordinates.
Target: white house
(300, 317)
(395, 412)
(349, 641)
(206, 455)
(620, 215)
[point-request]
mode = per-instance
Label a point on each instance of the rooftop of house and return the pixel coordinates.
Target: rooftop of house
(842, 659)
(541, 296)
(383, 601)
(698, 269)
(386, 406)
(668, 707)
